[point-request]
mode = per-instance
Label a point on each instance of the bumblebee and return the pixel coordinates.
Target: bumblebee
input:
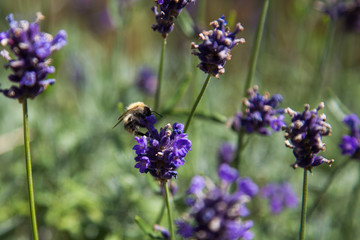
(134, 117)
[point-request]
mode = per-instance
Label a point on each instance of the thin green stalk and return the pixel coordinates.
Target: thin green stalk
(349, 225)
(303, 207)
(330, 180)
(171, 223)
(160, 75)
(319, 78)
(240, 146)
(250, 76)
(197, 102)
(256, 47)
(29, 171)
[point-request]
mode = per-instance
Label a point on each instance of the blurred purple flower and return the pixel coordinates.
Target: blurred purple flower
(226, 153)
(279, 196)
(169, 10)
(197, 185)
(227, 173)
(164, 232)
(261, 113)
(161, 153)
(350, 143)
(215, 49)
(304, 136)
(216, 213)
(247, 187)
(146, 81)
(31, 49)
(348, 12)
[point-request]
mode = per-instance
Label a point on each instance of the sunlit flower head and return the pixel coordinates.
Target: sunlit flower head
(215, 49)
(30, 62)
(162, 152)
(304, 136)
(166, 11)
(261, 113)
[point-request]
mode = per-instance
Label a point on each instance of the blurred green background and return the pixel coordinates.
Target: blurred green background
(86, 186)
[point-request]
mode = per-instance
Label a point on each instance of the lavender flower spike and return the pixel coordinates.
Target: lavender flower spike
(304, 136)
(161, 153)
(280, 195)
(31, 64)
(215, 212)
(261, 113)
(169, 10)
(215, 49)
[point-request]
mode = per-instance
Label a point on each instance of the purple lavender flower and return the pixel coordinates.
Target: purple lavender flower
(215, 49)
(32, 49)
(146, 81)
(304, 136)
(169, 10)
(334, 9)
(347, 12)
(226, 153)
(217, 214)
(351, 17)
(350, 143)
(280, 195)
(261, 113)
(161, 153)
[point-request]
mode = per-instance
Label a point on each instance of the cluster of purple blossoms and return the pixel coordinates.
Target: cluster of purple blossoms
(161, 152)
(304, 136)
(32, 49)
(260, 113)
(350, 143)
(217, 44)
(348, 12)
(215, 213)
(169, 10)
(146, 81)
(279, 196)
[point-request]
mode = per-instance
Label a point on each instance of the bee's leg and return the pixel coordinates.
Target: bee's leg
(138, 133)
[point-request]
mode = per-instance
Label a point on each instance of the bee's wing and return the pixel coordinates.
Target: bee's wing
(120, 119)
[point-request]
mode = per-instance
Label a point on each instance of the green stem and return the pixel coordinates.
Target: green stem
(160, 75)
(28, 170)
(171, 224)
(349, 224)
(197, 102)
(319, 78)
(239, 147)
(303, 207)
(326, 187)
(250, 76)
(256, 47)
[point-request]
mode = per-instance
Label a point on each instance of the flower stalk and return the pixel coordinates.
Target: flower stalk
(256, 48)
(197, 102)
(160, 75)
(171, 222)
(250, 76)
(29, 170)
(303, 206)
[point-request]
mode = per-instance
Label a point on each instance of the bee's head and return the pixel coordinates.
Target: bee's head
(147, 111)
